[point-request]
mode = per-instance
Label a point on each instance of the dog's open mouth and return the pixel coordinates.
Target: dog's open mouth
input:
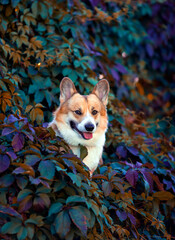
(85, 135)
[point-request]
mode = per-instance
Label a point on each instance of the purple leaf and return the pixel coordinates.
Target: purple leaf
(18, 142)
(70, 165)
(7, 131)
(45, 184)
(31, 128)
(171, 156)
(138, 164)
(122, 215)
(45, 124)
(150, 50)
(3, 148)
(35, 181)
(9, 211)
(115, 75)
(133, 150)
(132, 176)
(168, 184)
(121, 151)
(25, 204)
(132, 219)
(121, 68)
(41, 201)
(19, 170)
(12, 119)
(4, 163)
(155, 64)
(94, 3)
(12, 155)
(140, 133)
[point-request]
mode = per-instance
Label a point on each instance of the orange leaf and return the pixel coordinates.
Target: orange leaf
(29, 169)
(163, 195)
(140, 89)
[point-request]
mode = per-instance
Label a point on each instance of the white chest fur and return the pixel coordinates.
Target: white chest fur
(93, 157)
(94, 146)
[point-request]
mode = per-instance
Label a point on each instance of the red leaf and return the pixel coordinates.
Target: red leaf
(157, 181)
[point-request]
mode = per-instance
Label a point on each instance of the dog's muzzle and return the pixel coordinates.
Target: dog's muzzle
(89, 128)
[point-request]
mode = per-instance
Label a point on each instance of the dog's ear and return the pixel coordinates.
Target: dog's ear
(101, 90)
(67, 89)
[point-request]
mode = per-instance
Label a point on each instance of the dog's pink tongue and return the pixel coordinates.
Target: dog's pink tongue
(87, 135)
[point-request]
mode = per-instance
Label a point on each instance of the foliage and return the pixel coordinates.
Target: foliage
(46, 192)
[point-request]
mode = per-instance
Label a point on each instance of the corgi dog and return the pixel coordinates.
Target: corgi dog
(82, 120)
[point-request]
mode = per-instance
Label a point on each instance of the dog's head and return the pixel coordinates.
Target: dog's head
(83, 116)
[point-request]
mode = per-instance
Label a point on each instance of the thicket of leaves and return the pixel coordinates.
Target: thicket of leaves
(46, 192)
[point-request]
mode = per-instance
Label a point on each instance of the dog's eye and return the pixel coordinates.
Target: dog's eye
(94, 112)
(78, 112)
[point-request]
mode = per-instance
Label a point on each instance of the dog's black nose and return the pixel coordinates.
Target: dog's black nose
(89, 127)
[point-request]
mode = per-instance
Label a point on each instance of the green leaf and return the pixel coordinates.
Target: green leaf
(55, 208)
(83, 151)
(6, 228)
(39, 96)
(94, 206)
(62, 224)
(66, 71)
(22, 234)
(73, 75)
(47, 169)
(12, 227)
(107, 188)
(23, 194)
(30, 231)
(77, 63)
(15, 3)
(75, 198)
(75, 178)
(6, 180)
(21, 181)
(36, 220)
(43, 10)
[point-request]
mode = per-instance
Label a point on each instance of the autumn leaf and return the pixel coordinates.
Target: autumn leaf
(35, 44)
(28, 17)
(15, 55)
(163, 195)
(19, 39)
(41, 54)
